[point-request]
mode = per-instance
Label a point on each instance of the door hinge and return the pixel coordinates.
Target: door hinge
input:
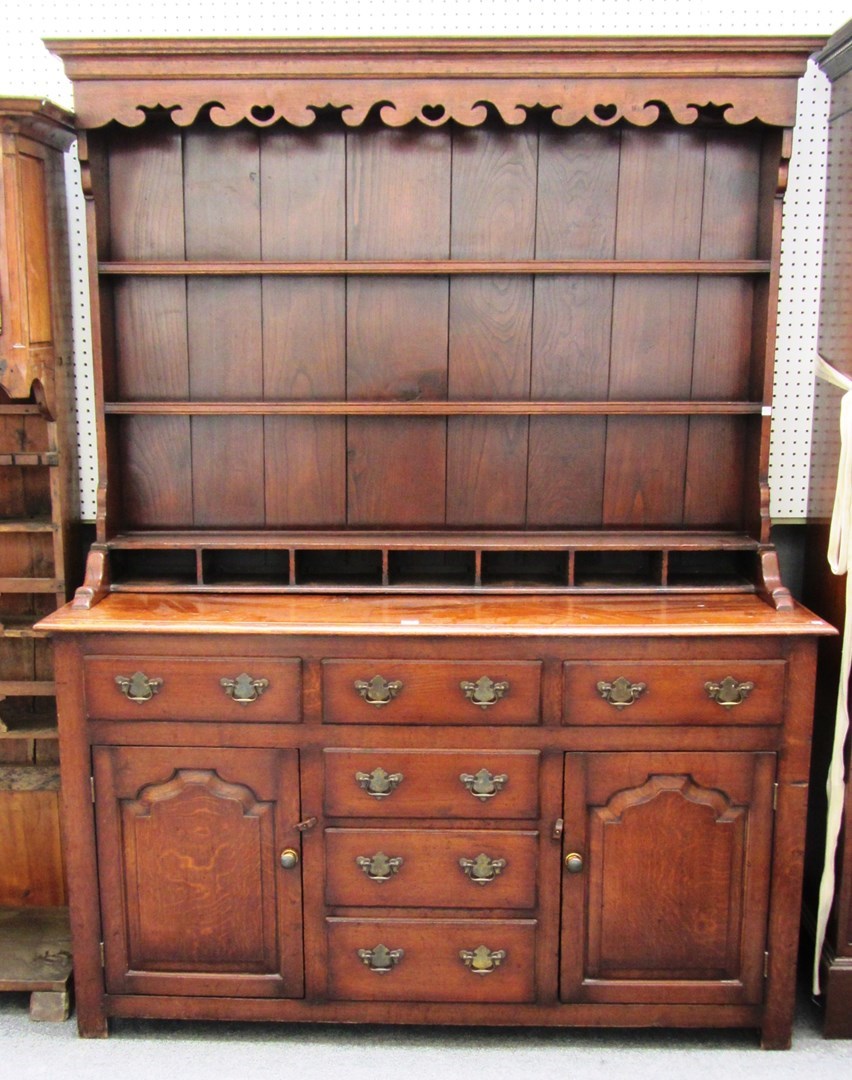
(92, 787)
(766, 965)
(102, 954)
(775, 797)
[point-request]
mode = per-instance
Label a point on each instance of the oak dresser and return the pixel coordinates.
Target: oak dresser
(433, 664)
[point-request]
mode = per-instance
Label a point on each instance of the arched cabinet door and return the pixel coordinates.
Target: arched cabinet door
(195, 895)
(666, 870)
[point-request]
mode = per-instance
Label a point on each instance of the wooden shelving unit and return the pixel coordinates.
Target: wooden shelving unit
(39, 545)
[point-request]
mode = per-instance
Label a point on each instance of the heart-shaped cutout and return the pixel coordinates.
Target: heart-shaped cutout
(262, 113)
(606, 112)
(433, 112)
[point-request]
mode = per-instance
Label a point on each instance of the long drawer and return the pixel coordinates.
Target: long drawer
(441, 868)
(431, 691)
(164, 688)
(674, 691)
(431, 960)
(475, 784)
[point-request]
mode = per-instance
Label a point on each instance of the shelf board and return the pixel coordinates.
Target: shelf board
(20, 626)
(27, 688)
(337, 267)
(435, 408)
(600, 587)
(15, 723)
(31, 585)
(35, 949)
(445, 539)
(44, 457)
(27, 525)
(24, 409)
(29, 778)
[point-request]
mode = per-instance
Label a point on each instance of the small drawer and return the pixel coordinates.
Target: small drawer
(674, 692)
(431, 960)
(442, 868)
(476, 784)
(431, 692)
(163, 688)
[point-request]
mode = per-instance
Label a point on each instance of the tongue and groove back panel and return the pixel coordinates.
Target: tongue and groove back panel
(493, 193)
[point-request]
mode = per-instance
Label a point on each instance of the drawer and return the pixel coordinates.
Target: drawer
(441, 868)
(431, 783)
(431, 960)
(674, 692)
(431, 692)
(164, 688)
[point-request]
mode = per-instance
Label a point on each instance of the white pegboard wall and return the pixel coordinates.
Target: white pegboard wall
(26, 68)
(798, 303)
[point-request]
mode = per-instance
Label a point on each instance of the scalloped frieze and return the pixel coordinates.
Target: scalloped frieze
(434, 102)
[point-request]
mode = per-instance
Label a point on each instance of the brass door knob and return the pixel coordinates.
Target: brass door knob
(573, 863)
(289, 858)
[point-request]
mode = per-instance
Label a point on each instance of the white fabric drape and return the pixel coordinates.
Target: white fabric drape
(840, 539)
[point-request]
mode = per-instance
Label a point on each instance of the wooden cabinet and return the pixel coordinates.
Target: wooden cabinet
(598, 872)
(433, 541)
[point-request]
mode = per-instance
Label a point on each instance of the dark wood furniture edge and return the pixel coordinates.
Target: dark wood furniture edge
(836, 58)
(39, 118)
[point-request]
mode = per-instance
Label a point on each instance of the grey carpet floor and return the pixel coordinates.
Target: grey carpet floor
(189, 1050)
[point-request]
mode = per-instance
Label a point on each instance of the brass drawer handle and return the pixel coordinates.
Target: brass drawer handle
(482, 960)
(482, 869)
(484, 785)
(378, 691)
(379, 783)
(244, 689)
(380, 958)
(728, 692)
(138, 687)
(484, 691)
(621, 692)
(380, 867)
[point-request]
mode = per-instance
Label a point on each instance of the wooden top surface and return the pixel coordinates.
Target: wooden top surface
(463, 616)
(368, 48)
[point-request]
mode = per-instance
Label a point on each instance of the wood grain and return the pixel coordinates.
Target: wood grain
(398, 201)
(493, 215)
(224, 328)
(303, 216)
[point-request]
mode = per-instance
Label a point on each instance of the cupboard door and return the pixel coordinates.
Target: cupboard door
(194, 897)
(668, 900)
